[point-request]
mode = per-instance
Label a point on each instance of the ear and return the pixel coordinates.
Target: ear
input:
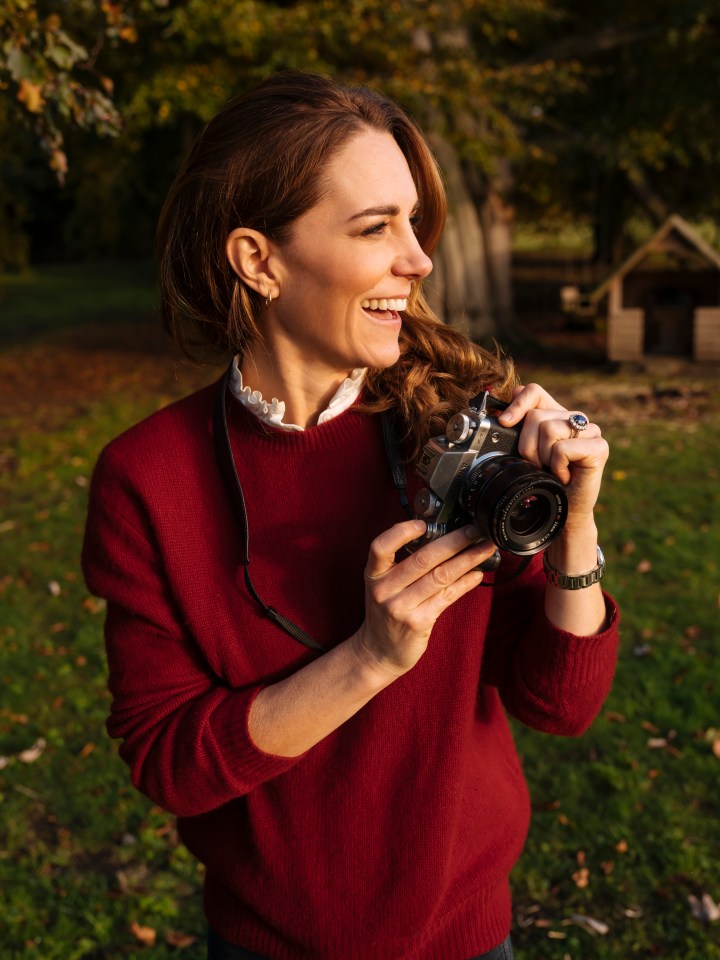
(249, 253)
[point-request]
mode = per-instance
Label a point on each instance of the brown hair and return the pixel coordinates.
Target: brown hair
(259, 163)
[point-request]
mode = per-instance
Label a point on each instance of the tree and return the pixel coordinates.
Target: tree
(551, 107)
(638, 135)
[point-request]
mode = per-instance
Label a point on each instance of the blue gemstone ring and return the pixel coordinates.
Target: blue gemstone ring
(578, 422)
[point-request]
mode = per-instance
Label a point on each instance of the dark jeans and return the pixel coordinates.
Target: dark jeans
(219, 949)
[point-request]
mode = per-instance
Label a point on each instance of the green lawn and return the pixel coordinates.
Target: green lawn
(625, 827)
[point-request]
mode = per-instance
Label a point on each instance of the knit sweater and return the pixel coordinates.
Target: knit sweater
(395, 835)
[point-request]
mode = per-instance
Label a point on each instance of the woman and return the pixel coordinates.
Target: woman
(363, 799)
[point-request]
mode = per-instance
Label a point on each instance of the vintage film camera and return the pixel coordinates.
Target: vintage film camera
(474, 474)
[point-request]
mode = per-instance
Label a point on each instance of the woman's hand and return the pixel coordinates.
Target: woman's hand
(546, 440)
(403, 600)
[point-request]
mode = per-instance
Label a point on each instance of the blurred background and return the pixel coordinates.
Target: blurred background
(581, 152)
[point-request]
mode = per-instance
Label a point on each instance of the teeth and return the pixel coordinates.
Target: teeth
(394, 303)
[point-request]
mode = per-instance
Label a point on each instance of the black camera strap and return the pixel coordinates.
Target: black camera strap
(228, 472)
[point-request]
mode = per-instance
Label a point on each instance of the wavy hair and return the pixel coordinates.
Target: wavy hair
(259, 163)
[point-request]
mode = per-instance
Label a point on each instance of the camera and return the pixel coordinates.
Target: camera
(474, 475)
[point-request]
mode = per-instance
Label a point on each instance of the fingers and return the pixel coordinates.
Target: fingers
(384, 547)
(403, 600)
(547, 429)
(525, 399)
(424, 561)
(588, 453)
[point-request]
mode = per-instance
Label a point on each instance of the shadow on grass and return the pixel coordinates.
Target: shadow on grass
(93, 301)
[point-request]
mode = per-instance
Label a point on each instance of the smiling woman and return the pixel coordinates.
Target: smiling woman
(357, 793)
(331, 281)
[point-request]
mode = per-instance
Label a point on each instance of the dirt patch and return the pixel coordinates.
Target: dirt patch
(46, 383)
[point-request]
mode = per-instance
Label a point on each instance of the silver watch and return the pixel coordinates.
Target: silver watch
(579, 582)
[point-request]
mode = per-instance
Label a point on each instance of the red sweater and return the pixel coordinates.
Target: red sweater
(392, 838)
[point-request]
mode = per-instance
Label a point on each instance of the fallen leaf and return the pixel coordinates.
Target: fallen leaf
(87, 750)
(581, 878)
(94, 604)
(621, 846)
(34, 752)
(645, 566)
(614, 717)
(705, 909)
(588, 923)
(176, 939)
(146, 935)
(657, 743)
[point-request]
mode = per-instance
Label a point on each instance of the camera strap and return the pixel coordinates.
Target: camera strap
(231, 481)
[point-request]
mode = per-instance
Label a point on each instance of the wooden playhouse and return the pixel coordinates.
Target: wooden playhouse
(665, 299)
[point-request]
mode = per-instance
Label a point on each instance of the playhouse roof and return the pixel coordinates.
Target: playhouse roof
(674, 235)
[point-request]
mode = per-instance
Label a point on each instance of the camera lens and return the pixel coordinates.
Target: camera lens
(522, 508)
(530, 514)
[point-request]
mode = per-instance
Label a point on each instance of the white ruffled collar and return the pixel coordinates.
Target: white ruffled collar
(273, 411)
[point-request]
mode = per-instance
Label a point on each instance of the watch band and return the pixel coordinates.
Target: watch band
(566, 582)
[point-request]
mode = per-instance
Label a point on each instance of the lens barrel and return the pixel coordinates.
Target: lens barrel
(522, 508)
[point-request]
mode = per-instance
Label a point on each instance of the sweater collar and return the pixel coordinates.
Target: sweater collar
(272, 412)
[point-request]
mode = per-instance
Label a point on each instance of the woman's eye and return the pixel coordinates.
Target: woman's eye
(415, 221)
(374, 229)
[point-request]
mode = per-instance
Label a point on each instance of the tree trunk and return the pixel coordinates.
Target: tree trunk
(470, 286)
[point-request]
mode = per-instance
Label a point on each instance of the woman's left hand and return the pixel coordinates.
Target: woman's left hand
(546, 440)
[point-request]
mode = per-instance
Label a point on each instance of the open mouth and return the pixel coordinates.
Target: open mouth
(385, 309)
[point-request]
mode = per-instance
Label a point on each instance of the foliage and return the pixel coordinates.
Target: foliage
(604, 110)
(50, 68)
(638, 134)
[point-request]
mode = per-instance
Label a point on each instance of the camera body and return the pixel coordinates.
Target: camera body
(475, 475)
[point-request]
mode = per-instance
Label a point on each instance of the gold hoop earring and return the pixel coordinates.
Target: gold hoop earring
(268, 301)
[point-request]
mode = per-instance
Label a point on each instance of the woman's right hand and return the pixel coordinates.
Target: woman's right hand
(403, 600)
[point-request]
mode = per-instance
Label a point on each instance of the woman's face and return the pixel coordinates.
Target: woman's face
(349, 264)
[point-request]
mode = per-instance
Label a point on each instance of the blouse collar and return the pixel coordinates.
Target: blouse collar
(272, 412)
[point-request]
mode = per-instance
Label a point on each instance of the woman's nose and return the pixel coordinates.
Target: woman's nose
(412, 261)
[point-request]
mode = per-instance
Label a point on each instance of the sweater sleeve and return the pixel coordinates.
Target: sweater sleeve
(184, 731)
(550, 680)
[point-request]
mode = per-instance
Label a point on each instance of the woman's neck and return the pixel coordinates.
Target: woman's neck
(306, 390)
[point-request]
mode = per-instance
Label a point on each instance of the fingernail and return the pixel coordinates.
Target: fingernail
(473, 533)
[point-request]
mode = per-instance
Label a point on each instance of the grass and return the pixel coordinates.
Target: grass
(625, 826)
(42, 301)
